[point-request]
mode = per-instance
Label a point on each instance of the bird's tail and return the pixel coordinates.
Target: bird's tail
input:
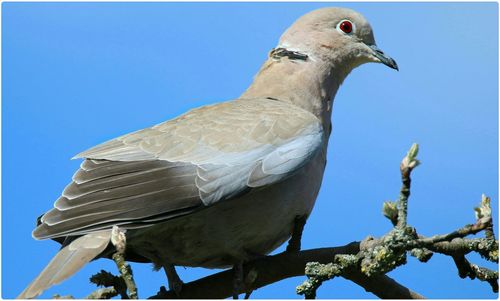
(67, 262)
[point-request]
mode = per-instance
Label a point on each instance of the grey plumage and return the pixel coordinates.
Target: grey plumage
(68, 260)
(104, 192)
(222, 183)
(184, 174)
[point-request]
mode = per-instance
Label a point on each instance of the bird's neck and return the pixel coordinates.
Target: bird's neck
(304, 82)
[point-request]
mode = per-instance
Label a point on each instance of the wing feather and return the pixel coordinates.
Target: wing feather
(109, 194)
(207, 155)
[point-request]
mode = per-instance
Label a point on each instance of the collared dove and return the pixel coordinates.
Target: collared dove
(219, 184)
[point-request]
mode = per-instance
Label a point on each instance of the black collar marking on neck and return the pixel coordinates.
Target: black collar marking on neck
(278, 53)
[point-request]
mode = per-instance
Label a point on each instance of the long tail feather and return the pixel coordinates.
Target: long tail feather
(67, 262)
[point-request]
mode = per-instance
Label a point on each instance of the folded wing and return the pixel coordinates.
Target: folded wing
(204, 156)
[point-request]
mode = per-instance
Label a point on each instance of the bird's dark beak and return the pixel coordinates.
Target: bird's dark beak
(384, 59)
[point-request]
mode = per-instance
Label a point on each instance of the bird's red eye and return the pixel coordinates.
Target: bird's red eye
(346, 26)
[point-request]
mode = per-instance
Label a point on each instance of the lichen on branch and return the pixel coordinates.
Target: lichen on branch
(378, 256)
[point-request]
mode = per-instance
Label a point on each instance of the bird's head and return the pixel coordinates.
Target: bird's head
(339, 36)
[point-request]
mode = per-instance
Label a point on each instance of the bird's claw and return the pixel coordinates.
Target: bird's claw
(238, 283)
(175, 283)
(176, 286)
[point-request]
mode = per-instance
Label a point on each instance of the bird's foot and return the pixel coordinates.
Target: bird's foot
(243, 283)
(298, 228)
(176, 286)
(238, 282)
(174, 281)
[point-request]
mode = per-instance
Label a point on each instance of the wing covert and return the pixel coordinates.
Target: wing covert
(206, 155)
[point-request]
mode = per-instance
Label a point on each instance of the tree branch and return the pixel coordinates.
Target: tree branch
(382, 255)
(275, 268)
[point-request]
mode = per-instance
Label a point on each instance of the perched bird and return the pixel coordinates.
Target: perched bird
(220, 184)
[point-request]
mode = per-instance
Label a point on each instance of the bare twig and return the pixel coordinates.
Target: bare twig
(119, 241)
(487, 248)
(407, 165)
(103, 293)
(462, 232)
(126, 273)
(379, 256)
(467, 269)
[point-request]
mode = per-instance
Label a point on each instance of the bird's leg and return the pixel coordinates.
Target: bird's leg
(237, 279)
(298, 228)
(174, 281)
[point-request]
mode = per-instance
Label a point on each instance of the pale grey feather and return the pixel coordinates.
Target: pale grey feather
(107, 192)
(68, 261)
(110, 195)
(234, 145)
(91, 170)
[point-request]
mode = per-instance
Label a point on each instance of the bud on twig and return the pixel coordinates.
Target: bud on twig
(118, 239)
(483, 212)
(410, 160)
(390, 210)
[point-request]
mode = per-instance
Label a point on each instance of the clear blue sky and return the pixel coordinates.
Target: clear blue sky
(78, 74)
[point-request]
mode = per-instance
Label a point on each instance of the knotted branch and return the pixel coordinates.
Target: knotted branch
(271, 269)
(382, 255)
